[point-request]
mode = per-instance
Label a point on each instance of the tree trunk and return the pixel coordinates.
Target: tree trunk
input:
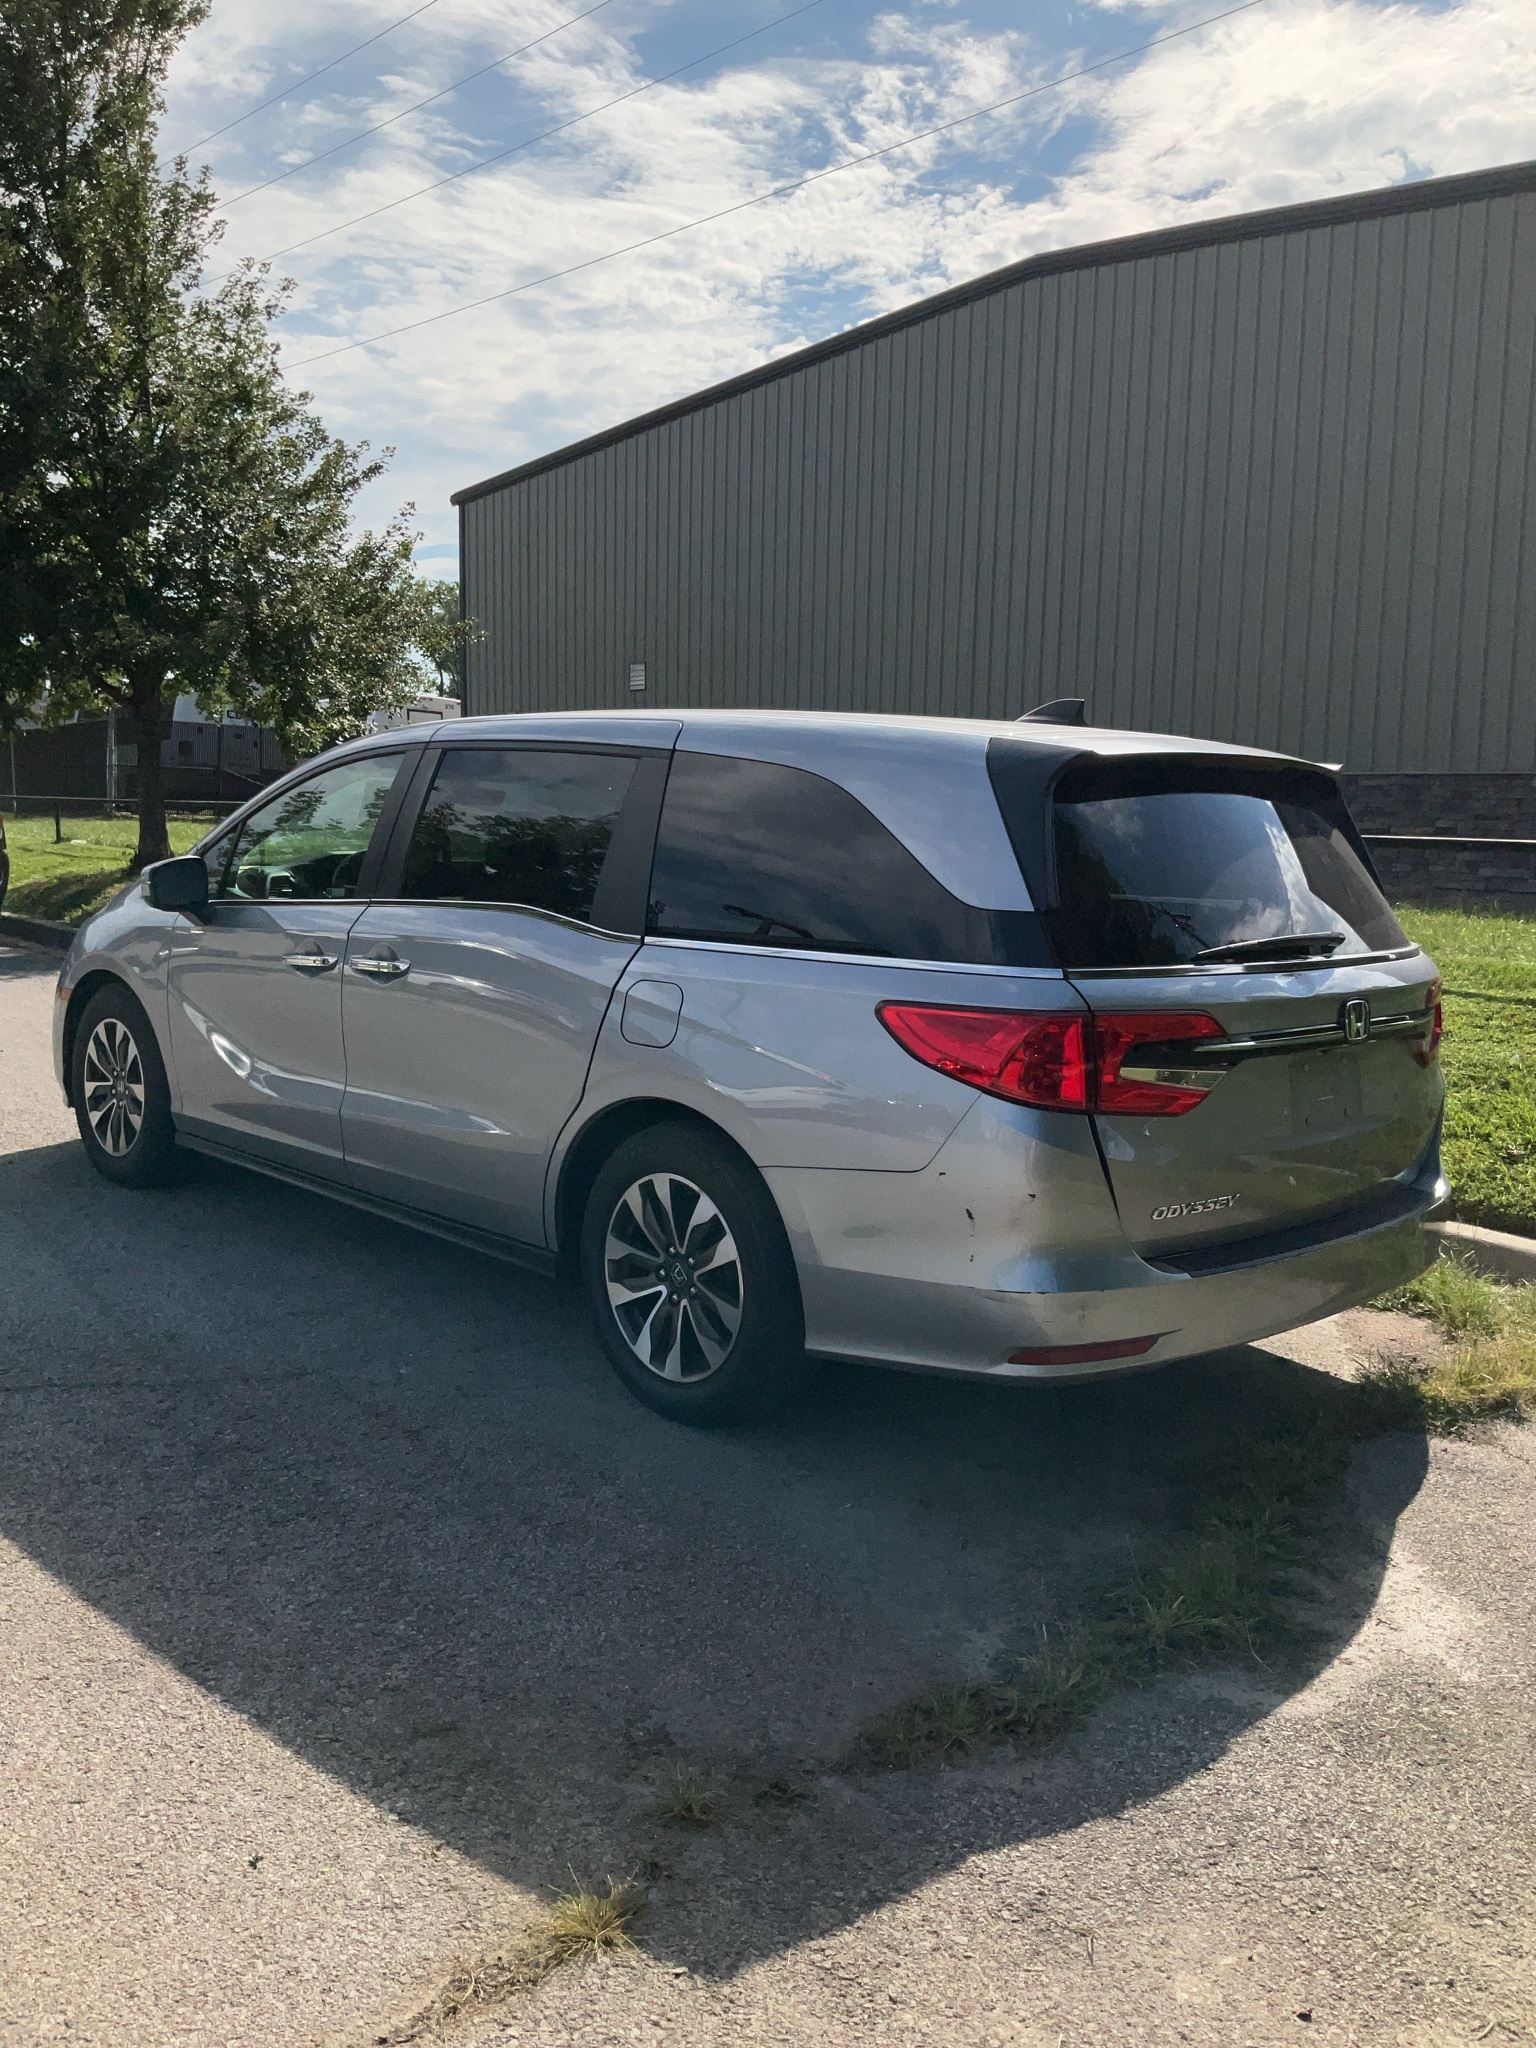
(149, 723)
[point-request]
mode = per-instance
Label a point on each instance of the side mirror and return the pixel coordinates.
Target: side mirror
(179, 884)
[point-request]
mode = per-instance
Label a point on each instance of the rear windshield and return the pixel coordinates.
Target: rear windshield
(1158, 876)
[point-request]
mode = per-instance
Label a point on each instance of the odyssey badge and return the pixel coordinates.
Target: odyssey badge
(1171, 1210)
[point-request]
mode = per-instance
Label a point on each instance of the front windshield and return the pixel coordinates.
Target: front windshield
(1156, 879)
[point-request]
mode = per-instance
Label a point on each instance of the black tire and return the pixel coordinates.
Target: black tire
(727, 1350)
(118, 1086)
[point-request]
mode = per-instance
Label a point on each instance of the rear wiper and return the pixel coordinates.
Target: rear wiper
(1294, 945)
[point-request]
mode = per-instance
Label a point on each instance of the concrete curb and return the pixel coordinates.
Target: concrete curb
(1496, 1251)
(37, 931)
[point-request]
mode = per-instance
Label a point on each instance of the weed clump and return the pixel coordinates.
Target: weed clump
(1489, 1376)
(1487, 1382)
(1464, 1301)
(938, 1728)
(692, 1802)
(581, 1923)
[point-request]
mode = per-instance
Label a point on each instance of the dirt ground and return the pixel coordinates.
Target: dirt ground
(347, 1606)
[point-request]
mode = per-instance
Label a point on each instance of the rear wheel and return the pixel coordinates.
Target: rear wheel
(689, 1277)
(122, 1101)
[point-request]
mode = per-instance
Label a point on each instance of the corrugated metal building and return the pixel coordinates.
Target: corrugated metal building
(1265, 479)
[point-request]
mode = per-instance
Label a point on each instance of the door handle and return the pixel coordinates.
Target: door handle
(311, 963)
(382, 969)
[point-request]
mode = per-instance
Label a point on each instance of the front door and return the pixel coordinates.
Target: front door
(474, 995)
(255, 986)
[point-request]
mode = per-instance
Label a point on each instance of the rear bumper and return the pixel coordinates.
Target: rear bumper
(926, 1269)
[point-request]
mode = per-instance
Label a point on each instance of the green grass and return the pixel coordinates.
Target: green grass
(1488, 960)
(66, 882)
(1464, 1301)
(1489, 1381)
(1489, 1374)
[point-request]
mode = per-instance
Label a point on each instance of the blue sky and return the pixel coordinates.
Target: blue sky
(1286, 100)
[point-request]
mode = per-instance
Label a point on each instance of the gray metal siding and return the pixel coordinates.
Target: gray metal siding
(1274, 490)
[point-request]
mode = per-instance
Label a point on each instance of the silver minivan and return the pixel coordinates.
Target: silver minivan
(1020, 1050)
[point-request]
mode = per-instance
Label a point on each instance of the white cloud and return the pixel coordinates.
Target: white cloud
(1301, 102)
(1297, 100)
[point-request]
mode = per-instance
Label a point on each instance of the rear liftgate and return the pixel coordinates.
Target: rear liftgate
(1265, 1033)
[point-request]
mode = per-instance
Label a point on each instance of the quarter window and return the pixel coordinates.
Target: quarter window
(311, 841)
(518, 825)
(773, 856)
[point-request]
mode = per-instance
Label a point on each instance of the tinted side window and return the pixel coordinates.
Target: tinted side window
(310, 841)
(517, 825)
(772, 856)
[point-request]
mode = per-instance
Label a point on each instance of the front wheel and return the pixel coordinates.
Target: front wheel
(689, 1278)
(118, 1086)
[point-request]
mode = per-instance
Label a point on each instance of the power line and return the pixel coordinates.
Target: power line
(529, 142)
(776, 192)
(249, 114)
(378, 128)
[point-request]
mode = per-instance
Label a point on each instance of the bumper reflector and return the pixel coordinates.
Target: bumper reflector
(1083, 1354)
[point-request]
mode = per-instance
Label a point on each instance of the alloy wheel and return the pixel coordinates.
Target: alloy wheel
(113, 1078)
(674, 1279)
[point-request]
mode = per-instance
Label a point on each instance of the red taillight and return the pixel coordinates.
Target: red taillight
(1051, 1061)
(1427, 1051)
(1024, 1057)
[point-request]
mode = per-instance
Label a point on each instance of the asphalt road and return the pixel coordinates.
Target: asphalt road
(347, 1604)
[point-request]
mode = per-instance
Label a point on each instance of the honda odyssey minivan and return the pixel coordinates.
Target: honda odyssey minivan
(1025, 1050)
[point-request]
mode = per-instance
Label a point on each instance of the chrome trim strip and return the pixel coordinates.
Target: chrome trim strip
(1189, 967)
(1202, 1078)
(1208, 1059)
(572, 924)
(1051, 974)
(1321, 1034)
(1437, 839)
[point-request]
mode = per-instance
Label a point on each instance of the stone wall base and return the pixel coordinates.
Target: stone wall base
(1450, 874)
(1480, 829)
(1464, 806)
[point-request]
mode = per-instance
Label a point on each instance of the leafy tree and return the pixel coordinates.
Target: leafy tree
(173, 518)
(449, 662)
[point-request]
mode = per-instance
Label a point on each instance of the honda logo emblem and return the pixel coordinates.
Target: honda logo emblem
(1356, 1019)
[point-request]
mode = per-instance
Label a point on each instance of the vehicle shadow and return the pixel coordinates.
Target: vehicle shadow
(27, 963)
(384, 1498)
